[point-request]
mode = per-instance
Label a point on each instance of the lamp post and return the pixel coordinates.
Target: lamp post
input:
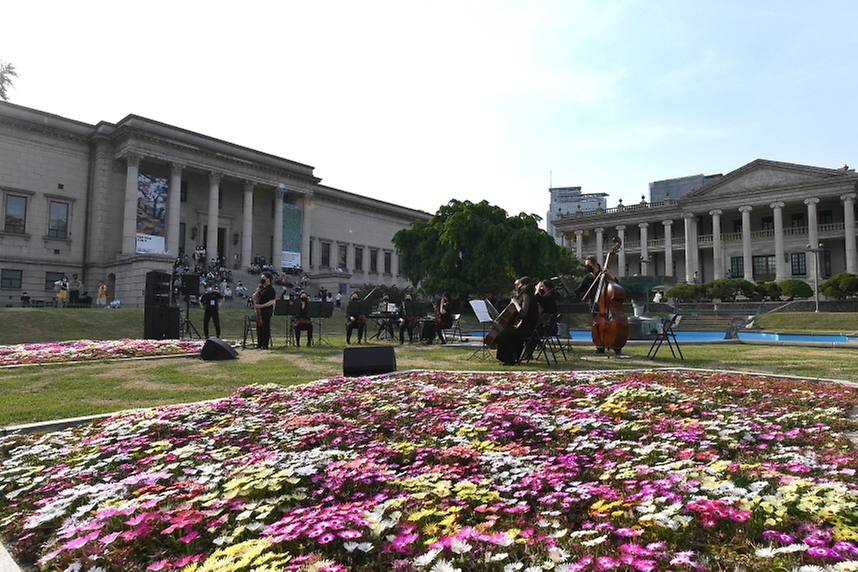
(816, 252)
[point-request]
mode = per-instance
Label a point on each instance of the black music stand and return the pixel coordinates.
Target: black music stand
(319, 311)
(360, 308)
(287, 308)
(665, 334)
(411, 311)
(486, 314)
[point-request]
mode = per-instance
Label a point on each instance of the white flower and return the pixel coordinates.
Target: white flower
(445, 566)
(425, 559)
(460, 547)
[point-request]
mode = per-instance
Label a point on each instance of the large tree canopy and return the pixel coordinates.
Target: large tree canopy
(7, 72)
(477, 249)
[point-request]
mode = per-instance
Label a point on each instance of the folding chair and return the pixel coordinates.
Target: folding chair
(551, 341)
(665, 334)
(249, 330)
(535, 344)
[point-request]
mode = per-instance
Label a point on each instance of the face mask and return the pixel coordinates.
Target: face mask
(589, 268)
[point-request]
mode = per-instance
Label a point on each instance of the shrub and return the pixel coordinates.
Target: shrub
(840, 286)
(728, 288)
(795, 288)
(687, 292)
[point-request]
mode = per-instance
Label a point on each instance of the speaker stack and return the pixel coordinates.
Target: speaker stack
(160, 320)
(370, 360)
(217, 349)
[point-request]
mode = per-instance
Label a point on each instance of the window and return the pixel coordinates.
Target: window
(310, 252)
(182, 234)
(764, 268)
(373, 260)
(58, 224)
(358, 259)
(326, 255)
(798, 263)
(342, 252)
(10, 278)
(16, 214)
(825, 217)
(388, 261)
(737, 266)
(737, 226)
(798, 220)
(768, 223)
(183, 192)
(50, 278)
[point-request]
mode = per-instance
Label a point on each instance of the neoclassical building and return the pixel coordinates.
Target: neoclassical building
(766, 221)
(113, 201)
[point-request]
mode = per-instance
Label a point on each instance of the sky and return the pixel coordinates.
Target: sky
(420, 103)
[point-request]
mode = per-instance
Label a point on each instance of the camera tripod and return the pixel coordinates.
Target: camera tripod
(187, 325)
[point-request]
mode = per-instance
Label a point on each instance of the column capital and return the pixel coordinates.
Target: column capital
(667, 222)
(620, 227)
(848, 197)
(689, 216)
(777, 205)
(249, 186)
(599, 229)
(643, 225)
(132, 159)
(811, 201)
(215, 177)
(579, 232)
(716, 212)
(177, 168)
(746, 209)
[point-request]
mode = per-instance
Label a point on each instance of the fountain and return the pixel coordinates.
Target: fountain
(638, 288)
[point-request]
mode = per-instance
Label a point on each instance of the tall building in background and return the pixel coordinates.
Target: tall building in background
(566, 200)
(675, 188)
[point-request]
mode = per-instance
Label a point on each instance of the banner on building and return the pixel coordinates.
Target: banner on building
(151, 214)
(291, 240)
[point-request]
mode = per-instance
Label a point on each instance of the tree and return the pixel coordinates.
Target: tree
(795, 288)
(477, 249)
(840, 286)
(7, 72)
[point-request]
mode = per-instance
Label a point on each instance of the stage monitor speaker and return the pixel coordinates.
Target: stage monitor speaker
(217, 349)
(161, 323)
(370, 360)
(190, 284)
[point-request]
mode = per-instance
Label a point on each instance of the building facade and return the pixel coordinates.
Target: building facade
(112, 202)
(571, 200)
(766, 221)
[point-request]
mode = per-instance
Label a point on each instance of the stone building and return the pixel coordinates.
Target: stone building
(766, 221)
(114, 201)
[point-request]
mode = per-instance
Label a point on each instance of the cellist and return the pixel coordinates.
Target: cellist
(510, 340)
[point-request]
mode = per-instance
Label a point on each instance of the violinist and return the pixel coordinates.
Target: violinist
(510, 341)
(356, 320)
(443, 317)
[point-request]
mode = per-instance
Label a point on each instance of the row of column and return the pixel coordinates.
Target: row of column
(692, 262)
(129, 227)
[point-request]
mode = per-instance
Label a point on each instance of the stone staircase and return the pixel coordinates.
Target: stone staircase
(704, 323)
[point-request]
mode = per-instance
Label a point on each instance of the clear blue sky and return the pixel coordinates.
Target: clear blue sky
(418, 103)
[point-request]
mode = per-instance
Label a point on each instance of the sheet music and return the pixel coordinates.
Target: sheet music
(481, 309)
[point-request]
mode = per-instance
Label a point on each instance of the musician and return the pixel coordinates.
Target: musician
(407, 323)
(264, 299)
(385, 324)
(355, 319)
(545, 300)
(303, 321)
(443, 317)
(587, 290)
(510, 340)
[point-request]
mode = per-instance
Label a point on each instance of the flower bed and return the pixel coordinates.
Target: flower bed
(88, 350)
(441, 472)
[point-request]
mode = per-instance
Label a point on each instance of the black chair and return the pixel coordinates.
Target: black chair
(551, 341)
(666, 334)
(249, 331)
(543, 341)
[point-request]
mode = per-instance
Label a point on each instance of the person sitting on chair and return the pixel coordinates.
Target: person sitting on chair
(385, 324)
(407, 323)
(443, 318)
(303, 321)
(355, 319)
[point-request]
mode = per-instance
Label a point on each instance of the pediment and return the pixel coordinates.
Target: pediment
(763, 175)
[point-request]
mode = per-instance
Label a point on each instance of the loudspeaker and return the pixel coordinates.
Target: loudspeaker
(157, 293)
(190, 284)
(161, 323)
(217, 349)
(370, 360)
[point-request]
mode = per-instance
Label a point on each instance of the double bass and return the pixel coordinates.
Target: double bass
(610, 327)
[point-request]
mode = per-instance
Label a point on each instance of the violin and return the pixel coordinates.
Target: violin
(610, 327)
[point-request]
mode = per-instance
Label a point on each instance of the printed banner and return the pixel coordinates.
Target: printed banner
(151, 214)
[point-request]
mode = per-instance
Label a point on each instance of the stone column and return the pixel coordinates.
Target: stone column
(690, 246)
(277, 255)
(174, 206)
(621, 257)
(780, 260)
(129, 216)
(599, 239)
(306, 212)
(747, 256)
(644, 250)
(849, 228)
(579, 244)
(212, 220)
(247, 225)
(812, 222)
(717, 247)
(668, 248)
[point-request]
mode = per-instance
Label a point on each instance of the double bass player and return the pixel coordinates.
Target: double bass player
(605, 296)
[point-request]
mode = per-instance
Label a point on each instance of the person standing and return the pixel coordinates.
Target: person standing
(211, 302)
(101, 296)
(61, 287)
(74, 291)
(264, 299)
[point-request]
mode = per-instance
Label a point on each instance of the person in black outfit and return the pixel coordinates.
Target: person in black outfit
(407, 323)
(303, 321)
(356, 320)
(443, 317)
(586, 291)
(510, 340)
(545, 299)
(264, 299)
(211, 302)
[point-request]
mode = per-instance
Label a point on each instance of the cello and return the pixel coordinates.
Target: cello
(610, 327)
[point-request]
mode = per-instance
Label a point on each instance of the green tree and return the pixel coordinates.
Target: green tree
(840, 286)
(7, 72)
(477, 249)
(795, 288)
